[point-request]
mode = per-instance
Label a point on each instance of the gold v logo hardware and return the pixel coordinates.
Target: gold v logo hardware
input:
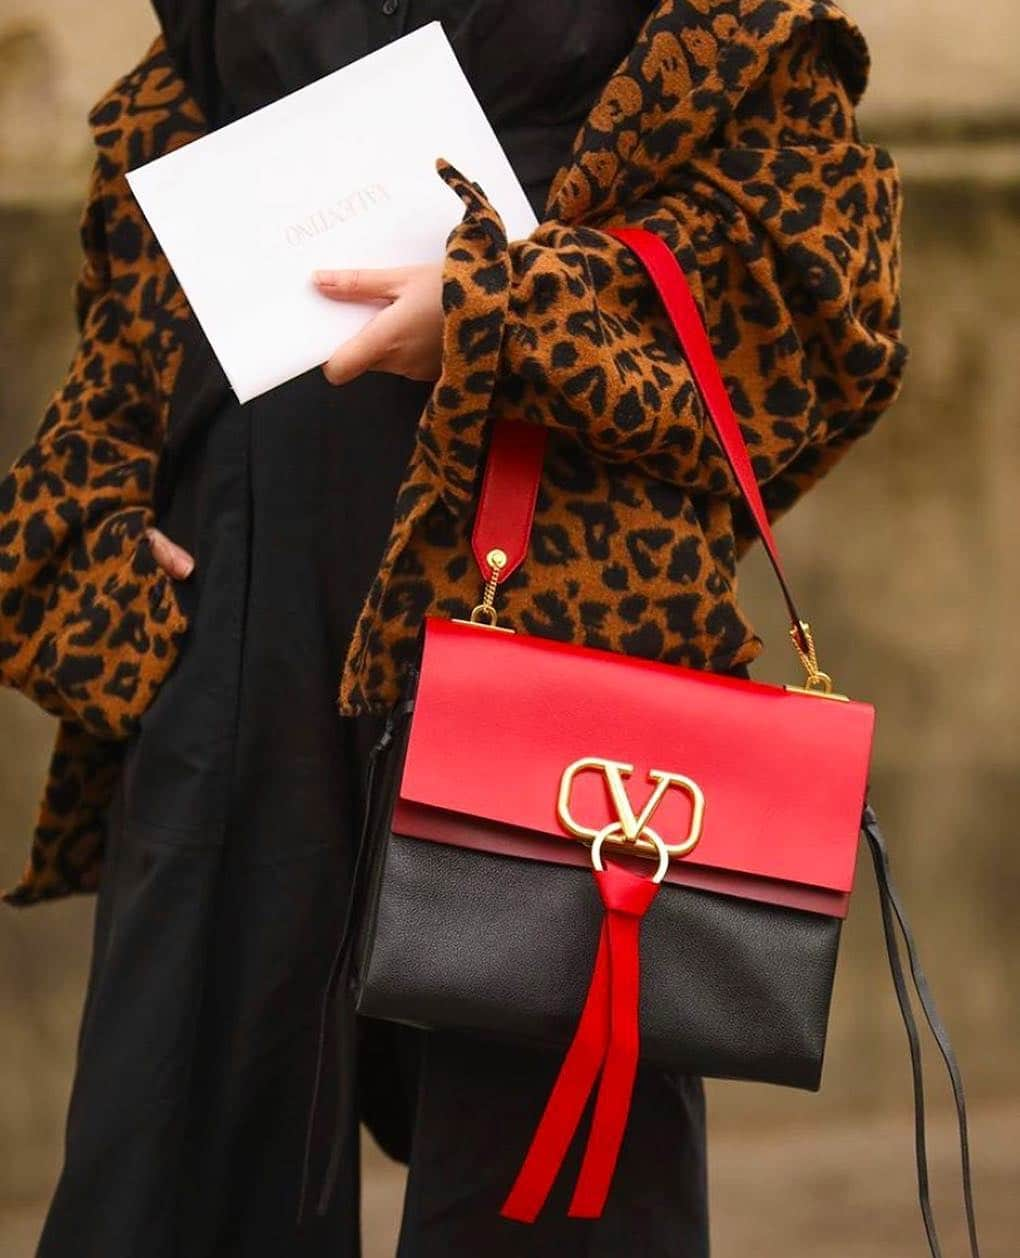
(628, 828)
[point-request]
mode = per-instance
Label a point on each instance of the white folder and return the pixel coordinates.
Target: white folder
(341, 173)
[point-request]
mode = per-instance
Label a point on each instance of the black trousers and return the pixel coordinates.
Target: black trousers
(230, 847)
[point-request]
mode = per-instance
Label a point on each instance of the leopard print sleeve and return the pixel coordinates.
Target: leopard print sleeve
(88, 623)
(84, 612)
(787, 226)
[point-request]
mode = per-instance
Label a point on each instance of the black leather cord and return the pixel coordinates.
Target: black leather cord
(892, 915)
(335, 987)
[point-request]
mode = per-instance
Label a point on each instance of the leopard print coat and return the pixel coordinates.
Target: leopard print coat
(729, 129)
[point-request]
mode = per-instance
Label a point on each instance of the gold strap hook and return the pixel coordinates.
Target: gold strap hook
(804, 644)
(484, 613)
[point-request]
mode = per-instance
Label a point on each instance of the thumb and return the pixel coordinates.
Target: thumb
(361, 284)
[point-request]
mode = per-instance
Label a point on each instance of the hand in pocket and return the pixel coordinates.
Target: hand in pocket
(173, 559)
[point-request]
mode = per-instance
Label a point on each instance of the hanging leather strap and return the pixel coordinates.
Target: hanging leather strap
(513, 465)
(892, 915)
(605, 1048)
(667, 275)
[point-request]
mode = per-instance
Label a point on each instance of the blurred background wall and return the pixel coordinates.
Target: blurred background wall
(907, 559)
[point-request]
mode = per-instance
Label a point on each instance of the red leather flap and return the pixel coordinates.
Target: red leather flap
(499, 717)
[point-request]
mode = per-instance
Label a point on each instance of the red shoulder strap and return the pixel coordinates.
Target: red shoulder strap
(516, 450)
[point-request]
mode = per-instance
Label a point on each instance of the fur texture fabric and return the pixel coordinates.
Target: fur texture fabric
(729, 129)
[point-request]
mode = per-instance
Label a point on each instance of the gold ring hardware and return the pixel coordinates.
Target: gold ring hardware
(607, 831)
(629, 830)
(484, 615)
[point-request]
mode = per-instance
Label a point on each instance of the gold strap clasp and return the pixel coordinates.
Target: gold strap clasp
(816, 682)
(485, 611)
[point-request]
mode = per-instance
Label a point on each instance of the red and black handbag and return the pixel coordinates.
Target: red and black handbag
(643, 862)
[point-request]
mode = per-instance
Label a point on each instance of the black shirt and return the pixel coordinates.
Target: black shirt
(536, 66)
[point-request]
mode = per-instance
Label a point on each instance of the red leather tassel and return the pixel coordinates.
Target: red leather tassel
(606, 1041)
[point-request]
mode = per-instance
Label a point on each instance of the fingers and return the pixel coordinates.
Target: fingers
(362, 284)
(173, 559)
(362, 352)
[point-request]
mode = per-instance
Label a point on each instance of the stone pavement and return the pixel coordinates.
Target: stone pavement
(843, 1192)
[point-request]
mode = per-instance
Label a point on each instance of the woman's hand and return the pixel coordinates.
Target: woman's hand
(405, 337)
(173, 559)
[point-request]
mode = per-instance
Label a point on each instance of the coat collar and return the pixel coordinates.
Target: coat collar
(688, 68)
